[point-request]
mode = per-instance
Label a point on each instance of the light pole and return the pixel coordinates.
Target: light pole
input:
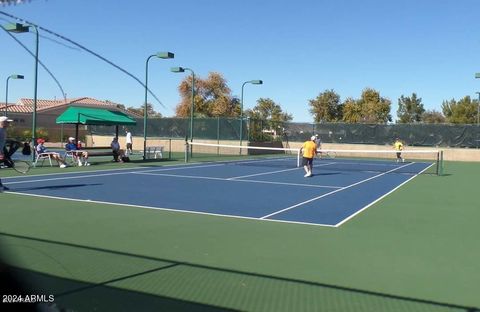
(477, 75)
(192, 107)
(257, 82)
(162, 55)
(478, 109)
(22, 28)
(6, 90)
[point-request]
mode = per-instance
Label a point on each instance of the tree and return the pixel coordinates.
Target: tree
(461, 112)
(375, 109)
(326, 107)
(370, 108)
(140, 111)
(352, 111)
(212, 98)
(270, 112)
(433, 116)
(410, 109)
(267, 109)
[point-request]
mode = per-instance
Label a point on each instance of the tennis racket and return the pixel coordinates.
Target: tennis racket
(21, 166)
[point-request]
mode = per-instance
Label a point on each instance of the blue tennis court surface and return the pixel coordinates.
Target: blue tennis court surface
(256, 190)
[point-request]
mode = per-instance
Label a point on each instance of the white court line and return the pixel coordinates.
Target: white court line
(166, 209)
(260, 160)
(236, 180)
(272, 172)
(263, 173)
(69, 178)
(380, 198)
(109, 174)
(70, 172)
(333, 192)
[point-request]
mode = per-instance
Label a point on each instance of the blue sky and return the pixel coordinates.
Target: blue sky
(298, 48)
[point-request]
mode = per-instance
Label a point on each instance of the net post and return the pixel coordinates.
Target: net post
(186, 151)
(440, 163)
(169, 148)
(298, 158)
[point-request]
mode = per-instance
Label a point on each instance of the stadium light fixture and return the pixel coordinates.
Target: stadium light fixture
(23, 28)
(192, 107)
(256, 82)
(6, 90)
(162, 55)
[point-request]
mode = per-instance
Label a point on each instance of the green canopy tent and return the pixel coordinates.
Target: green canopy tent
(94, 116)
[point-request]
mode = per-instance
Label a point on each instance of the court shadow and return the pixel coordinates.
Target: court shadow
(180, 279)
(325, 174)
(153, 162)
(54, 187)
(73, 295)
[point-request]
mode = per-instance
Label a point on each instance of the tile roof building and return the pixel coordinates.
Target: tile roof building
(26, 105)
(49, 110)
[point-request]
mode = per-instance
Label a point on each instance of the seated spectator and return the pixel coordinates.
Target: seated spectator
(79, 155)
(117, 152)
(42, 149)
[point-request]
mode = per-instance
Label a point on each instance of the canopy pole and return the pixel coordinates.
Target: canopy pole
(76, 134)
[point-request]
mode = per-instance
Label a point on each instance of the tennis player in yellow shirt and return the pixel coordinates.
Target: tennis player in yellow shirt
(398, 145)
(308, 150)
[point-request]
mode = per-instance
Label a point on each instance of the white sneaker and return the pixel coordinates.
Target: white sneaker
(80, 164)
(306, 175)
(63, 166)
(87, 164)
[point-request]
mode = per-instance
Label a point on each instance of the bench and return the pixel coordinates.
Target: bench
(99, 153)
(92, 152)
(155, 151)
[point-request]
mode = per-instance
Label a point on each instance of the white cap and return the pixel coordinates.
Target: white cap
(313, 138)
(71, 139)
(5, 118)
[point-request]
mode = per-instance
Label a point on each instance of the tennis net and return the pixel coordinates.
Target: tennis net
(411, 162)
(243, 155)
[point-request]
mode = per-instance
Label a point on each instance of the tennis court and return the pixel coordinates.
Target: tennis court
(247, 235)
(265, 189)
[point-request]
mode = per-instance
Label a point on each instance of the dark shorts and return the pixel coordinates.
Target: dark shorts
(129, 146)
(307, 161)
(399, 154)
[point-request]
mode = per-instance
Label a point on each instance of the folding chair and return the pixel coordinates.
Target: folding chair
(42, 157)
(70, 157)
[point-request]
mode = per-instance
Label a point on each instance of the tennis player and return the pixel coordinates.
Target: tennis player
(398, 145)
(4, 123)
(308, 150)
